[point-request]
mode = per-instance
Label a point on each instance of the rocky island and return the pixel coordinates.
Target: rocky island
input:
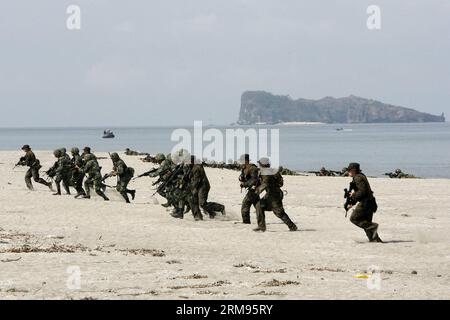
(264, 107)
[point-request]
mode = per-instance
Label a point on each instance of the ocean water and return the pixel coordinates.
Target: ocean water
(421, 149)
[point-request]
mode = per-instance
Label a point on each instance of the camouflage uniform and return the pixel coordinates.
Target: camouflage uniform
(249, 180)
(77, 177)
(199, 185)
(124, 175)
(94, 177)
(181, 193)
(164, 172)
(272, 200)
(363, 213)
(62, 171)
(34, 165)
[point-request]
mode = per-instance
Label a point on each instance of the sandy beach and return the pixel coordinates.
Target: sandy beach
(139, 251)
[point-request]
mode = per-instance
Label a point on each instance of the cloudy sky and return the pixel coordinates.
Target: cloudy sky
(170, 62)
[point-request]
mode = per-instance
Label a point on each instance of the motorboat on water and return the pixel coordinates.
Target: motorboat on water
(108, 134)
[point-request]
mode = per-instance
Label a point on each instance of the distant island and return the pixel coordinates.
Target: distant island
(265, 108)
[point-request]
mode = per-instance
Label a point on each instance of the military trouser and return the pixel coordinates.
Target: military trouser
(362, 217)
(272, 203)
(209, 207)
(33, 172)
(77, 182)
(122, 187)
(95, 182)
(250, 199)
(65, 178)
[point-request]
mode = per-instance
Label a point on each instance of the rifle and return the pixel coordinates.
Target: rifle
(145, 174)
(173, 175)
(349, 201)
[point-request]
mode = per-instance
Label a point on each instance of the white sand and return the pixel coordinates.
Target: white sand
(217, 259)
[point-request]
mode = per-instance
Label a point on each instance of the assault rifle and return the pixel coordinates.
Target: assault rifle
(146, 174)
(172, 177)
(349, 201)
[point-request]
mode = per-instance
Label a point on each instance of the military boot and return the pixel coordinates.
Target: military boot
(50, 186)
(260, 229)
(125, 196)
(177, 213)
(58, 190)
(133, 194)
(66, 188)
(289, 223)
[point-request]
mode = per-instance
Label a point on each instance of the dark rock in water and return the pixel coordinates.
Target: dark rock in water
(264, 107)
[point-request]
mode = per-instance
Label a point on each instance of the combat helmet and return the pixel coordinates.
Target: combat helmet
(160, 157)
(57, 153)
(114, 156)
(354, 165)
(74, 150)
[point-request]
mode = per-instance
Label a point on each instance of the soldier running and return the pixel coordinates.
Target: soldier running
(124, 175)
(271, 182)
(199, 185)
(62, 171)
(34, 165)
(94, 177)
(367, 205)
(77, 177)
(249, 180)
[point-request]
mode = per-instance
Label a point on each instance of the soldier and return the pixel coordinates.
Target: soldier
(199, 185)
(77, 176)
(87, 150)
(30, 161)
(163, 172)
(181, 192)
(124, 175)
(271, 182)
(92, 169)
(62, 171)
(249, 180)
(363, 213)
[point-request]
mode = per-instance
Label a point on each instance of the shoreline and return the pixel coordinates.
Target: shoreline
(298, 172)
(138, 251)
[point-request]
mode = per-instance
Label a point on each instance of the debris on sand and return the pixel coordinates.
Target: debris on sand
(55, 248)
(201, 286)
(173, 262)
(246, 265)
(135, 294)
(271, 271)
(265, 293)
(278, 283)
(10, 260)
(144, 252)
(207, 292)
(327, 269)
(191, 276)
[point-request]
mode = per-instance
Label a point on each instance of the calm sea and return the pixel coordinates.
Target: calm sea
(420, 149)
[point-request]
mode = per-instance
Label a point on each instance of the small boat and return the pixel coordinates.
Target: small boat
(108, 134)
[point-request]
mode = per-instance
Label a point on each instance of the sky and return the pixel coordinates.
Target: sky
(170, 62)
